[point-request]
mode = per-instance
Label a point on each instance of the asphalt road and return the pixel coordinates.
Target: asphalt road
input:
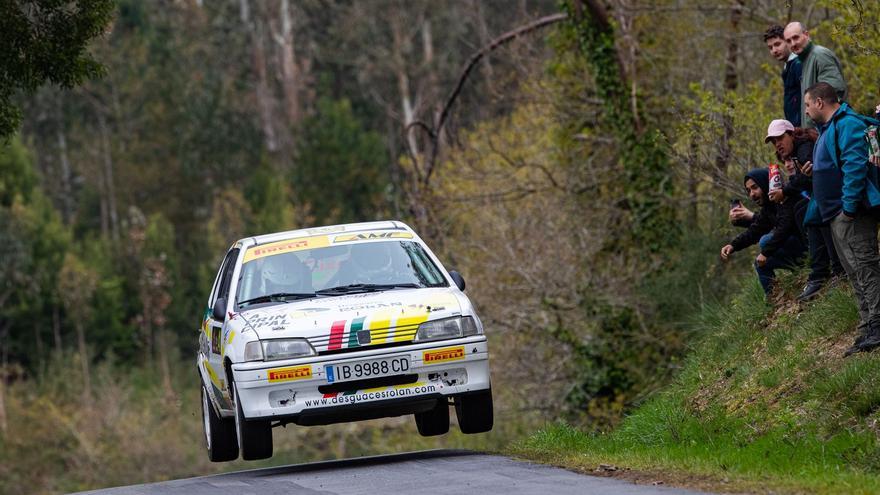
(434, 472)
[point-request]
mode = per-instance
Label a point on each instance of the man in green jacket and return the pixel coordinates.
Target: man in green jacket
(818, 64)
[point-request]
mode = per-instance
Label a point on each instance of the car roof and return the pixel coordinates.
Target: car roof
(388, 225)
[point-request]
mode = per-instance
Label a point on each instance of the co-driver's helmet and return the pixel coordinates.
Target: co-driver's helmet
(372, 258)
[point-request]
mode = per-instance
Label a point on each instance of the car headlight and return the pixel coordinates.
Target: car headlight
(286, 348)
(447, 328)
(253, 351)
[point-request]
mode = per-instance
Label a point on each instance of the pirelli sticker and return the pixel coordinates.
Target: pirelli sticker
(443, 355)
(366, 236)
(287, 246)
(289, 374)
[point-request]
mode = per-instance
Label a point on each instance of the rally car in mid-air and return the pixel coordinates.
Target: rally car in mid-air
(337, 324)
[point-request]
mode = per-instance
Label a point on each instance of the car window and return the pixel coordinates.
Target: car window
(226, 277)
(309, 270)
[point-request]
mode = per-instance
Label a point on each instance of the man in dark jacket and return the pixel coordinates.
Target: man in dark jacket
(794, 147)
(845, 189)
(791, 73)
(773, 228)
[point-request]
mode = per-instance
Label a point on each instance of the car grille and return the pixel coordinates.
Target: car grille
(345, 336)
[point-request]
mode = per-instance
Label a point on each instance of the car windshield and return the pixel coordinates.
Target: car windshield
(333, 270)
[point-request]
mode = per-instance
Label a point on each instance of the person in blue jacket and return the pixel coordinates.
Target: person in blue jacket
(846, 191)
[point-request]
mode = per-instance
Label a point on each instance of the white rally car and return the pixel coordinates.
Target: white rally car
(336, 324)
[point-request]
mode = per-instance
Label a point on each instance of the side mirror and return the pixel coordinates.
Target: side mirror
(458, 279)
(218, 312)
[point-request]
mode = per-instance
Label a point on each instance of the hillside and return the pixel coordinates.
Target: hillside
(764, 402)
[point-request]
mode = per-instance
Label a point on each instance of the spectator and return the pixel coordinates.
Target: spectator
(773, 228)
(818, 64)
(794, 147)
(791, 73)
(845, 189)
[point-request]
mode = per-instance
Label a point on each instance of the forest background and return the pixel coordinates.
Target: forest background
(579, 181)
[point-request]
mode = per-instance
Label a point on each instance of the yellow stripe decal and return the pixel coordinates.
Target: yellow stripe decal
(379, 328)
(408, 326)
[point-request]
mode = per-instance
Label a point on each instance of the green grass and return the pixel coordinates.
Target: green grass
(764, 402)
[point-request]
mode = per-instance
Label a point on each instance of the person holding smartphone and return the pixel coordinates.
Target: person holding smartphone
(773, 228)
(794, 147)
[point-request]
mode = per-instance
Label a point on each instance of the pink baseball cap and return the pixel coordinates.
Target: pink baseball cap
(777, 128)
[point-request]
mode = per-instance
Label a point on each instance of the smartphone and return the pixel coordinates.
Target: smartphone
(734, 203)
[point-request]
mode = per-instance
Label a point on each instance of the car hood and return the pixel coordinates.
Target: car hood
(354, 320)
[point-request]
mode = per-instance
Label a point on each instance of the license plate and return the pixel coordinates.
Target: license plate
(366, 369)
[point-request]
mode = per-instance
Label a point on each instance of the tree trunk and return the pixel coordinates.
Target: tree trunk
(2, 401)
(722, 160)
(3, 367)
(485, 38)
(84, 361)
(64, 160)
(164, 367)
(107, 174)
(403, 87)
(288, 65)
(38, 342)
(56, 328)
(103, 206)
(258, 60)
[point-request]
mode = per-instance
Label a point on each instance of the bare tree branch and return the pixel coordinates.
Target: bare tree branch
(469, 67)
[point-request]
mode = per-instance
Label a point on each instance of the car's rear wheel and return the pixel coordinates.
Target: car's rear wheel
(254, 437)
(474, 411)
(433, 421)
(220, 436)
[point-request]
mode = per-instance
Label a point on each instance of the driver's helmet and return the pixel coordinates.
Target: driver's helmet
(372, 258)
(285, 273)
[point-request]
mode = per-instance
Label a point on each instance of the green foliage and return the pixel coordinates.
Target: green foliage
(856, 36)
(647, 184)
(17, 178)
(270, 202)
(340, 176)
(46, 42)
(33, 242)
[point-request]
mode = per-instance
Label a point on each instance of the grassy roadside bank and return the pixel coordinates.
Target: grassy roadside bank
(764, 403)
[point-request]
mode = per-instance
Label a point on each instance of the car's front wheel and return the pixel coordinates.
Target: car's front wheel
(474, 411)
(434, 421)
(219, 432)
(254, 437)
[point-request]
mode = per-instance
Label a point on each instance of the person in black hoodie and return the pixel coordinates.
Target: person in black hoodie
(794, 147)
(774, 228)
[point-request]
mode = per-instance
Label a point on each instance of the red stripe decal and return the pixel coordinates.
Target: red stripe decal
(336, 332)
(331, 395)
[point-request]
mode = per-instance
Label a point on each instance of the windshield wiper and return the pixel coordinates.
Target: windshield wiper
(347, 289)
(278, 297)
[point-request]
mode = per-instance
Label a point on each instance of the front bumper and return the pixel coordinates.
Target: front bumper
(288, 390)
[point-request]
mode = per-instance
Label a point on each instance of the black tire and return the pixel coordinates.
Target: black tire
(475, 412)
(254, 437)
(434, 421)
(220, 437)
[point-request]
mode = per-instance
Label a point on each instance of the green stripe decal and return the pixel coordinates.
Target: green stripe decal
(356, 326)
(350, 392)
